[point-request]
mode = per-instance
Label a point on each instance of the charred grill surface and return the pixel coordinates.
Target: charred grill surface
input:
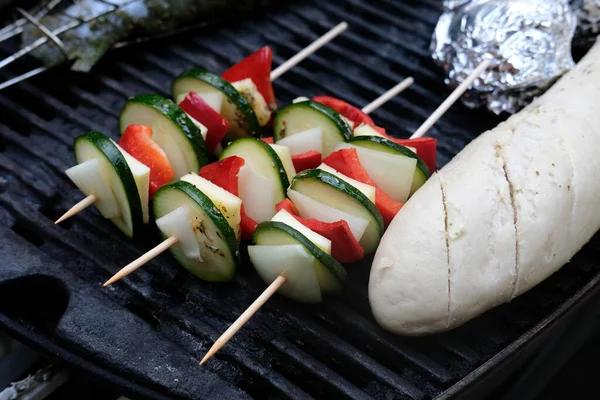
(149, 331)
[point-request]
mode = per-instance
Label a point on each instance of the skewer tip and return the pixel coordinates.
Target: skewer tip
(205, 359)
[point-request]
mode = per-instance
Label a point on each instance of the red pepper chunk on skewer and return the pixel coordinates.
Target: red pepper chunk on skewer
(224, 173)
(344, 246)
(137, 141)
(257, 66)
(215, 124)
(346, 162)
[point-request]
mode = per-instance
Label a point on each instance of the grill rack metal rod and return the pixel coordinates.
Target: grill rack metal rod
(49, 35)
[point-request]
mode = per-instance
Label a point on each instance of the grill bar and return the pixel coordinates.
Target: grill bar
(332, 351)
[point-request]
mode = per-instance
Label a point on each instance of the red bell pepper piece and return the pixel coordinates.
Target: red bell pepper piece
(247, 225)
(286, 205)
(216, 125)
(269, 139)
(426, 149)
(425, 146)
(224, 173)
(346, 161)
(347, 110)
(137, 141)
(257, 66)
(308, 160)
(344, 246)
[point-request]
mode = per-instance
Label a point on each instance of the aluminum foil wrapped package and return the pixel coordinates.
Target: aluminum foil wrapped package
(528, 42)
(588, 17)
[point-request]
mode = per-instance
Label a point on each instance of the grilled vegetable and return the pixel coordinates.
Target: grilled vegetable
(424, 147)
(399, 184)
(299, 117)
(172, 130)
(219, 252)
(330, 274)
(293, 261)
(92, 179)
(366, 189)
(225, 174)
(353, 114)
(264, 160)
(302, 142)
(248, 89)
(346, 161)
(236, 109)
(198, 108)
(137, 141)
(318, 240)
(422, 172)
(229, 204)
(119, 175)
(178, 224)
(335, 192)
(309, 160)
(309, 208)
(286, 160)
(257, 67)
(344, 245)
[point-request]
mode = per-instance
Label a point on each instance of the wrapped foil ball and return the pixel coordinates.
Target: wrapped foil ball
(528, 41)
(588, 21)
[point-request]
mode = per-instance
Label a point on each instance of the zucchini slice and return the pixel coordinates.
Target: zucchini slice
(172, 130)
(384, 145)
(235, 108)
(285, 156)
(330, 273)
(219, 250)
(326, 188)
(295, 263)
(299, 117)
(320, 241)
(95, 145)
(263, 159)
(229, 205)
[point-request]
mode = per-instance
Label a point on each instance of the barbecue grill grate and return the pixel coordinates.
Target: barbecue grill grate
(150, 330)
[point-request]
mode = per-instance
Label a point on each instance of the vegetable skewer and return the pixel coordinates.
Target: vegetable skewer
(286, 66)
(136, 264)
(281, 279)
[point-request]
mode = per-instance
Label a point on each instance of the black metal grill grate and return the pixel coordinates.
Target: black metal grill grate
(150, 329)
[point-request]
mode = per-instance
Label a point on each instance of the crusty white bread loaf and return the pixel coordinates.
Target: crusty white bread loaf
(507, 212)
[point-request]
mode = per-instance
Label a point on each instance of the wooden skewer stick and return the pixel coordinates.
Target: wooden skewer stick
(132, 266)
(307, 51)
(393, 92)
(450, 100)
(77, 208)
(281, 279)
(242, 319)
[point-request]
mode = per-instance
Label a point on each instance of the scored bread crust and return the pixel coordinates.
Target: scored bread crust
(512, 208)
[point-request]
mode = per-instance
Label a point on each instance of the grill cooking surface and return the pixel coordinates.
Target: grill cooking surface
(154, 326)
